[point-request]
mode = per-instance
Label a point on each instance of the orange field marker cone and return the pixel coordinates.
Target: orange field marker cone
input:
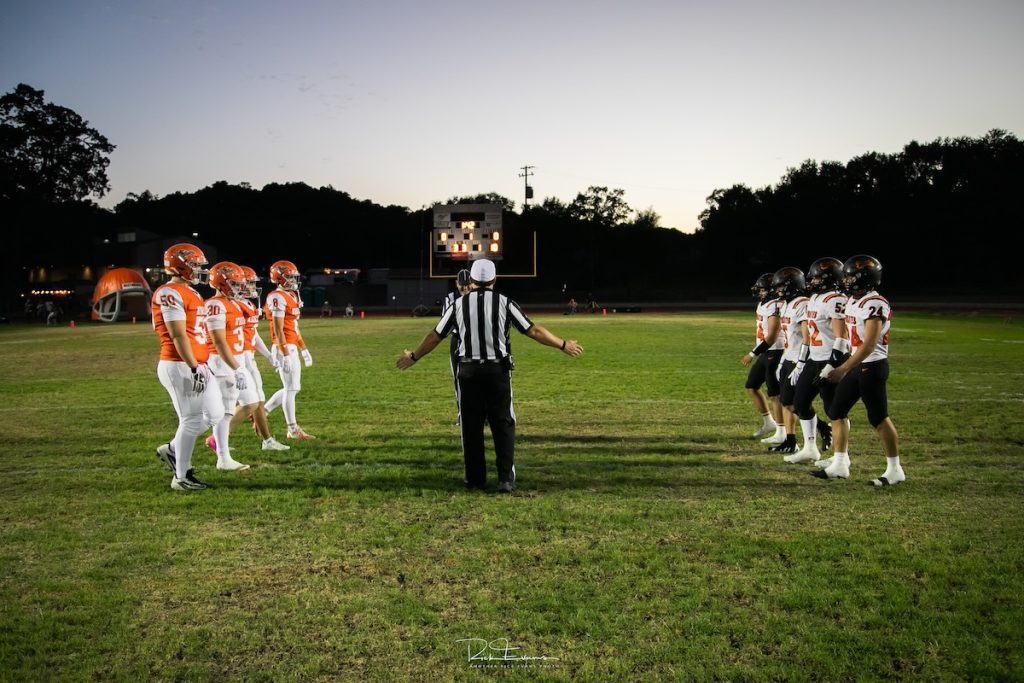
(362, 315)
(72, 324)
(604, 311)
(133, 320)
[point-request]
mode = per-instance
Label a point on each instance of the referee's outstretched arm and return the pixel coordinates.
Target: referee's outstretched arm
(539, 333)
(428, 344)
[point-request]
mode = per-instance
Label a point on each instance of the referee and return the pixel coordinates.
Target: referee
(461, 288)
(482, 320)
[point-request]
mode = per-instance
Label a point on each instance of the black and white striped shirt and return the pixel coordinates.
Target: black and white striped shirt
(482, 320)
(449, 300)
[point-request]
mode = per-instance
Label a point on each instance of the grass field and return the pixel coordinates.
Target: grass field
(650, 537)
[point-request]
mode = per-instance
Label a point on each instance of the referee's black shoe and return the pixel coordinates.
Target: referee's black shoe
(506, 487)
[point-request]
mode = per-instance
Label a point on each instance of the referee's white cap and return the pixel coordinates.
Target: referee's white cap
(483, 271)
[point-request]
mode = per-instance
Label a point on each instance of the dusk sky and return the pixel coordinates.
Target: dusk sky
(409, 103)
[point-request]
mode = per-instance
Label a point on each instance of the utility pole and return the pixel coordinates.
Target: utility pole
(527, 190)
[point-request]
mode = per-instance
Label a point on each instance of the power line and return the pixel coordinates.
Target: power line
(527, 190)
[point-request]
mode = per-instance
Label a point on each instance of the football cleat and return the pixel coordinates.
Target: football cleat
(825, 462)
(775, 439)
(166, 456)
(188, 483)
(229, 464)
(806, 454)
(764, 431)
(890, 478)
(787, 446)
(298, 433)
(837, 469)
(272, 444)
(826, 436)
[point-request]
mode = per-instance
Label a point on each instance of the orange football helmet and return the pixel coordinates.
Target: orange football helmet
(227, 278)
(285, 275)
(186, 261)
(252, 280)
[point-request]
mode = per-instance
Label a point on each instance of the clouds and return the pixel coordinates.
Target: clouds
(406, 103)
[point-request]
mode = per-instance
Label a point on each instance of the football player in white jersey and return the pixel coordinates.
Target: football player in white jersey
(789, 284)
(225, 323)
(864, 374)
(828, 343)
(765, 356)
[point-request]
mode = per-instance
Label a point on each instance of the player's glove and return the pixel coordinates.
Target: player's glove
(822, 377)
(275, 357)
(286, 364)
(307, 357)
(196, 382)
(240, 380)
(795, 375)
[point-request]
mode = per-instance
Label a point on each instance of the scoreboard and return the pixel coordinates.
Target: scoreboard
(465, 232)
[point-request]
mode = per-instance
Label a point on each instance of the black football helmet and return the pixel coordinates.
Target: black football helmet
(861, 274)
(762, 288)
(825, 275)
(789, 282)
(462, 278)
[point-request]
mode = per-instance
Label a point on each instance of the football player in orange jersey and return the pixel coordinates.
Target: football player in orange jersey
(178, 319)
(250, 305)
(284, 308)
(225, 323)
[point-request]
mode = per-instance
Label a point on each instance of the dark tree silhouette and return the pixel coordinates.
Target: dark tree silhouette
(600, 206)
(485, 198)
(48, 152)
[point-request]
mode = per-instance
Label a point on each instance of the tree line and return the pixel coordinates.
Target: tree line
(943, 217)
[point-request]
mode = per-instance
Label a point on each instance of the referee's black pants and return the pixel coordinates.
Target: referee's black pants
(485, 393)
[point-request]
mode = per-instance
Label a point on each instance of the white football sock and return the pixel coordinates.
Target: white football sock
(893, 471)
(220, 434)
(810, 429)
(289, 406)
(274, 401)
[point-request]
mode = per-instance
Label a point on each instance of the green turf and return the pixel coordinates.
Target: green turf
(650, 538)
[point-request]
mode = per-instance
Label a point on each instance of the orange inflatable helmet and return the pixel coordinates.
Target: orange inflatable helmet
(120, 290)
